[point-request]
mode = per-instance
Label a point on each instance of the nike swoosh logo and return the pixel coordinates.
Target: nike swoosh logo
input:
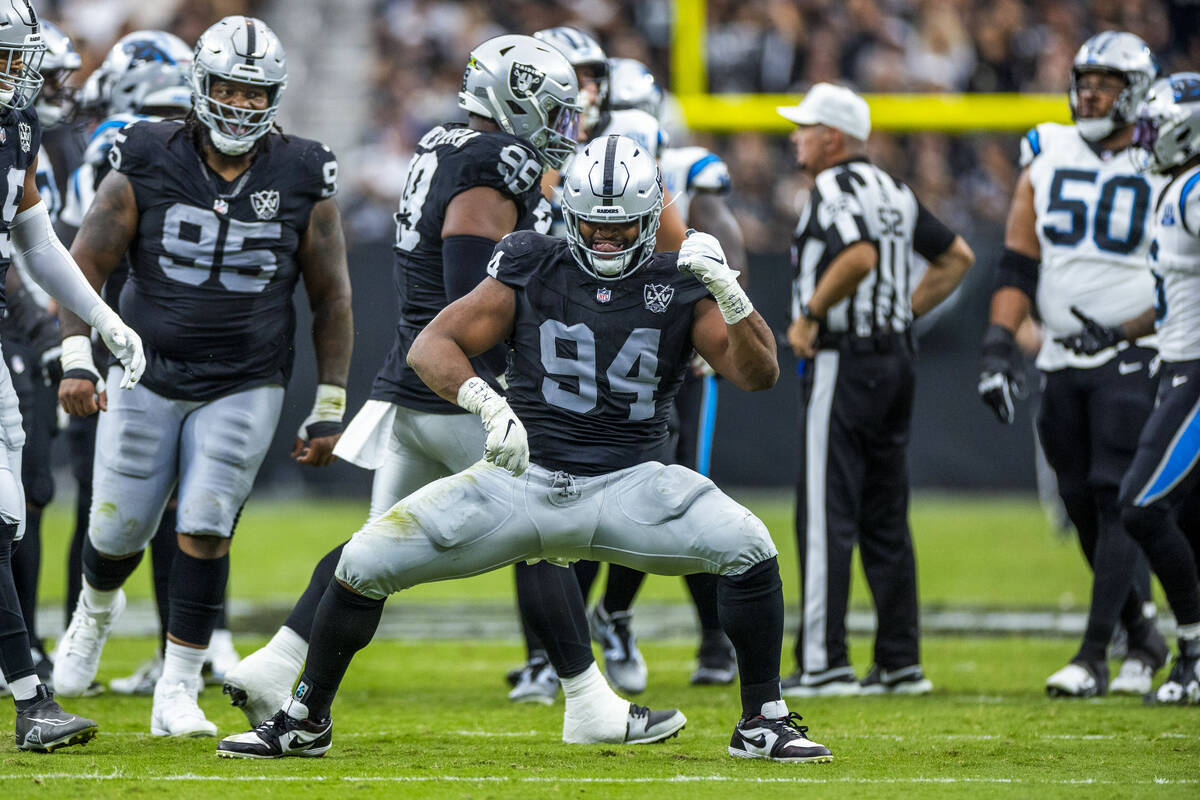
(1179, 380)
(55, 722)
(1128, 368)
(718, 260)
(511, 423)
(758, 741)
(298, 739)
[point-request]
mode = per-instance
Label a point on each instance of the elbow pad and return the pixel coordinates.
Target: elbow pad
(1018, 271)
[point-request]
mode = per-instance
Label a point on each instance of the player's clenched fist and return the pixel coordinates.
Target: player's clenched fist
(507, 442)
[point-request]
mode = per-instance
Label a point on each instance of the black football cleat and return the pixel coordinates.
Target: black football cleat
(280, 736)
(43, 726)
(782, 739)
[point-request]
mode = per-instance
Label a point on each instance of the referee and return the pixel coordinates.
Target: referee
(853, 303)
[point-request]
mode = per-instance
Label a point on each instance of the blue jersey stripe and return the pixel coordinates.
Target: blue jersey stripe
(1181, 457)
(1034, 140)
(1183, 197)
(699, 166)
(708, 425)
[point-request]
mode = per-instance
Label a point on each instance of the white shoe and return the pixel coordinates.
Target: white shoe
(260, 684)
(221, 656)
(614, 724)
(77, 657)
(176, 712)
(143, 679)
(1135, 677)
(1079, 680)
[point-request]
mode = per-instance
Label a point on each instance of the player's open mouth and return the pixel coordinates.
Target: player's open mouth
(606, 246)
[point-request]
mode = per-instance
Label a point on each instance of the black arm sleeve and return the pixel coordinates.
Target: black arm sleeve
(464, 264)
(931, 238)
(1018, 271)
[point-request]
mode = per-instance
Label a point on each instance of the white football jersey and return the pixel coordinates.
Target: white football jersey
(1093, 227)
(1175, 259)
(687, 170)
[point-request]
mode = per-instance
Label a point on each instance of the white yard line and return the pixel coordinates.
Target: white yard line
(924, 737)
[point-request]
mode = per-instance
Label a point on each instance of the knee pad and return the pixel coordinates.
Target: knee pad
(360, 568)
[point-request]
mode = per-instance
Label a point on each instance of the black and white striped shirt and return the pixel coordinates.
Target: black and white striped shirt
(856, 201)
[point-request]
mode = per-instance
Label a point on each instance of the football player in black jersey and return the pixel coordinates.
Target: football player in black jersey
(222, 216)
(25, 228)
(601, 331)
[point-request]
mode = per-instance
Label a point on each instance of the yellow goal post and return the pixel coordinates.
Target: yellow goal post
(728, 113)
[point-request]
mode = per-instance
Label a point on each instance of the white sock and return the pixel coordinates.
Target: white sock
(586, 684)
(288, 645)
(97, 599)
(594, 712)
(776, 709)
(25, 688)
(295, 709)
(182, 663)
(1190, 631)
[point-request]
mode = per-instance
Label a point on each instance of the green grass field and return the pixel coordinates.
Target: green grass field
(430, 718)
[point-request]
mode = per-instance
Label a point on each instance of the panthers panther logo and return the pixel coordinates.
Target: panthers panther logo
(525, 80)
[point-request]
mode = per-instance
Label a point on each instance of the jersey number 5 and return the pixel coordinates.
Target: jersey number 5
(632, 373)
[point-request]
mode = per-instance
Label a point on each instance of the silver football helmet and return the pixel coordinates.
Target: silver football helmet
(21, 51)
(612, 180)
(1167, 131)
(632, 85)
(529, 90)
(241, 50)
(584, 52)
(1122, 54)
(56, 101)
(143, 70)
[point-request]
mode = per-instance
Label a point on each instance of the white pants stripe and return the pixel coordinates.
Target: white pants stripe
(816, 583)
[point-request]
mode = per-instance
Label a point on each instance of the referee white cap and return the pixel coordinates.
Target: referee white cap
(834, 106)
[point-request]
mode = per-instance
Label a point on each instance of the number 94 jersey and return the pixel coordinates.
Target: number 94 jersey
(594, 365)
(1093, 215)
(213, 262)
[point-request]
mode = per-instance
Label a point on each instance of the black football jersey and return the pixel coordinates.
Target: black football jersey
(594, 365)
(448, 160)
(213, 262)
(20, 140)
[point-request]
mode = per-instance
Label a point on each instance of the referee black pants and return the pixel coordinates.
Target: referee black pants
(856, 413)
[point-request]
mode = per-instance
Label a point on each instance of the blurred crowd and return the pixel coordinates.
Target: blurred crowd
(419, 49)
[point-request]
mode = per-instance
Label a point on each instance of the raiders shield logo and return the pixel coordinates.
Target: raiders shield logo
(265, 203)
(657, 296)
(26, 134)
(525, 80)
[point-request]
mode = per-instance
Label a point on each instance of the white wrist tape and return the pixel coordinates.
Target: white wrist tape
(732, 300)
(49, 263)
(325, 419)
(479, 398)
(77, 354)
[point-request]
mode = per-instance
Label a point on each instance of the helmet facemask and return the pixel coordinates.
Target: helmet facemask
(20, 75)
(1112, 53)
(1120, 114)
(234, 129)
(1167, 131)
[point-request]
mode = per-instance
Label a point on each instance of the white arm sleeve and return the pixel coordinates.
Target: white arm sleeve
(51, 266)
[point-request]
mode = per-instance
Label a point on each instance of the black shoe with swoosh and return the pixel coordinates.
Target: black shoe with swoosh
(280, 736)
(783, 739)
(43, 726)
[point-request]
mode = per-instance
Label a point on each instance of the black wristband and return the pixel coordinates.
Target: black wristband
(78, 374)
(1018, 271)
(807, 312)
(319, 430)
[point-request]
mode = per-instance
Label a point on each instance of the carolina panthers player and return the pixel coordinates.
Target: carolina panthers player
(1160, 501)
(468, 186)
(25, 228)
(222, 216)
(1077, 239)
(698, 180)
(601, 331)
(610, 619)
(30, 329)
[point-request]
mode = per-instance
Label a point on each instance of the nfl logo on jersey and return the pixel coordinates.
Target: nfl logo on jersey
(603, 294)
(265, 203)
(658, 297)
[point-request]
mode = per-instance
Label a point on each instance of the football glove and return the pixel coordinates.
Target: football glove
(325, 419)
(122, 341)
(701, 255)
(507, 442)
(1093, 338)
(1001, 373)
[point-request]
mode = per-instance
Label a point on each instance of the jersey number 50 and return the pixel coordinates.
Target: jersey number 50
(1076, 210)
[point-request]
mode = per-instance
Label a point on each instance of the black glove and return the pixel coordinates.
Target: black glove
(1001, 372)
(1093, 338)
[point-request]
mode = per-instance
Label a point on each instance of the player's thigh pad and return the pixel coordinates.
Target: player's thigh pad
(670, 520)
(462, 525)
(137, 441)
(222, 445)
(422, 448)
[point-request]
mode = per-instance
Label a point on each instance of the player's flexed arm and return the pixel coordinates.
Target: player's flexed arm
(103, 238)
(729, 334)
(322, 257)
(467, 327)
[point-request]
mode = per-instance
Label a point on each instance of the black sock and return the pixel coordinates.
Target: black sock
(703, 587)
(1170, 556)
(622, 586)
(585, 573)
(163, 548)
(15, 660)
(1112, 582)
(552, 605)
(344, 624)
(301, 618)
(107, 574)
(26, 566)
(751, 610)
(197, 592)
(533, 645)
(75, 554)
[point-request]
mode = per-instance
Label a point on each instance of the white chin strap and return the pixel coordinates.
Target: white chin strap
(1094, 129)
(6, 95)
(228, 146)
